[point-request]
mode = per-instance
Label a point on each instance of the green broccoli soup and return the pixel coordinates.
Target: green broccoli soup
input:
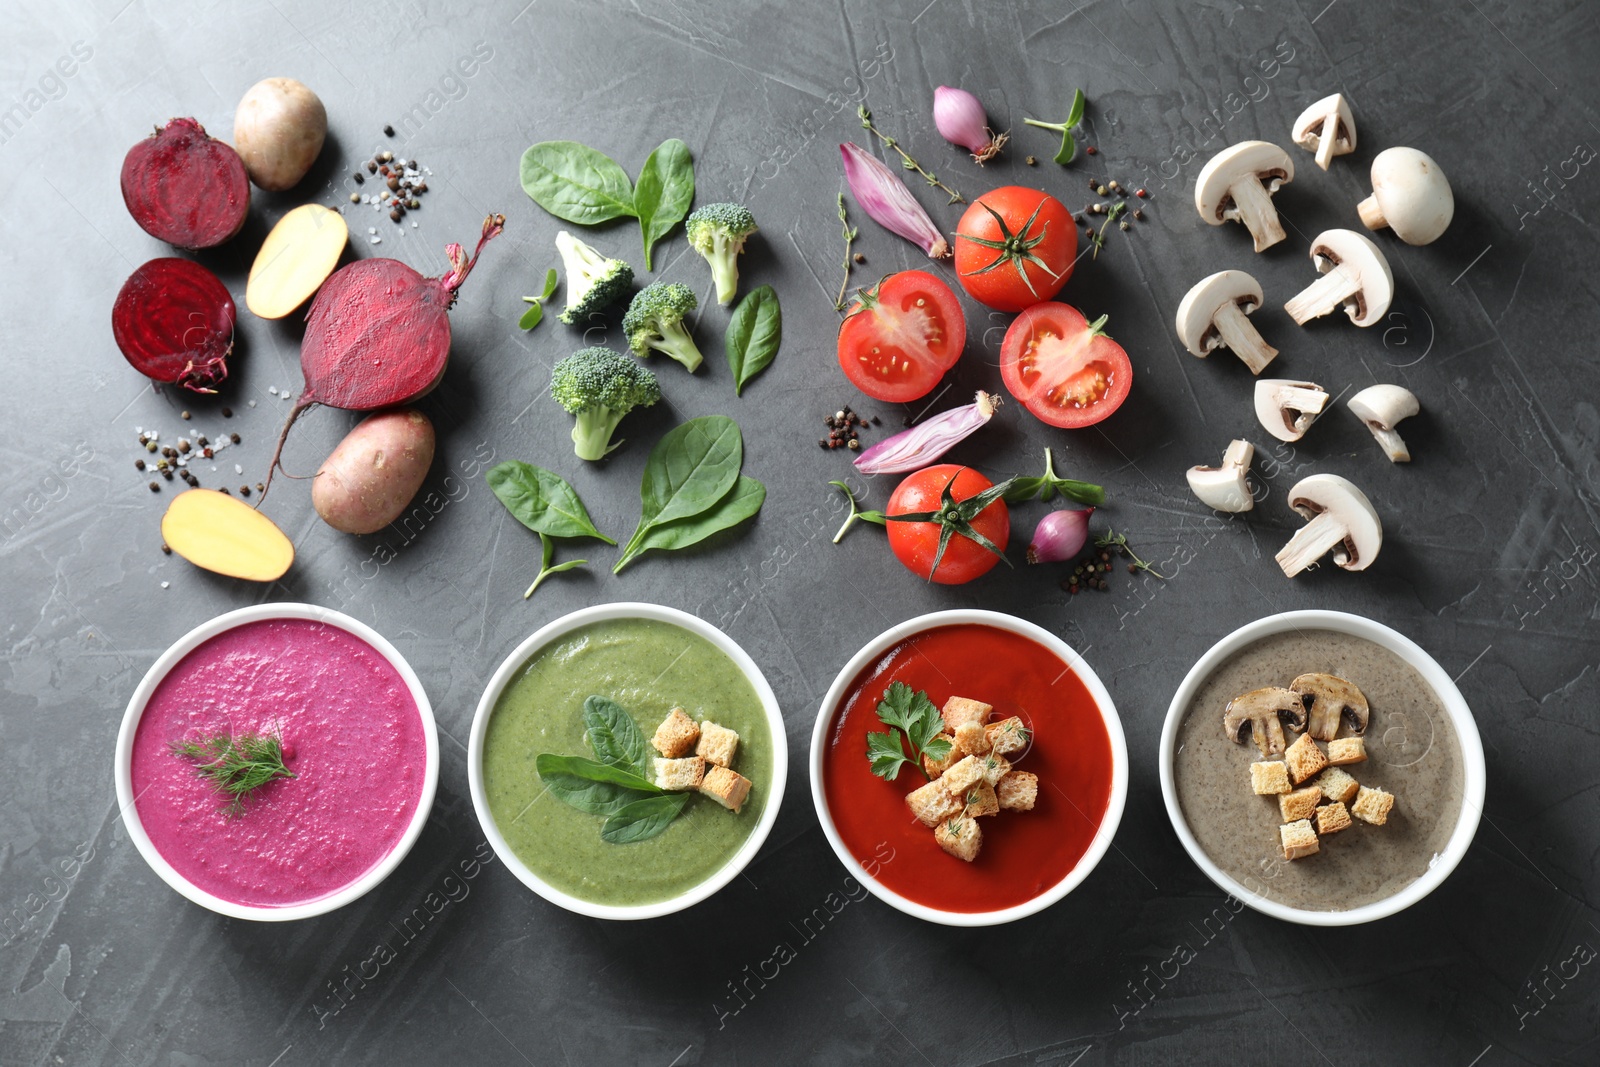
(643, 669)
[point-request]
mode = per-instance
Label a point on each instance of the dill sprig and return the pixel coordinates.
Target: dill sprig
(235, 766)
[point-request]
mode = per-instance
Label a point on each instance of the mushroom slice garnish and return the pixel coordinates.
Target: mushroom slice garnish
(1225, 488)
(1354, 274)
(1382, 407)
(1212, 316)
(1410, 195)
(1238, 184)
(1262, 711)
(1327, 129)
(1286, 409)
(1341, 520)
(1328, 698)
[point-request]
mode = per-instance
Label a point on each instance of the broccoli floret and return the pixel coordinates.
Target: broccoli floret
(718, 232)
(655, 320)
(594, 282)
(600, 386)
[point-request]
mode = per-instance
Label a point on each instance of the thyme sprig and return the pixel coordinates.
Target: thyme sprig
(1112, 539)
(905, 159)
(850, 234)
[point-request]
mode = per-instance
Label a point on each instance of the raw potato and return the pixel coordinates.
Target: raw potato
(224, 534)
(370, 478)
(295, 259)
(278, 132)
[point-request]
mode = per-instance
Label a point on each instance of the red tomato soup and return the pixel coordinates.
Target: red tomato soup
(1024, 852)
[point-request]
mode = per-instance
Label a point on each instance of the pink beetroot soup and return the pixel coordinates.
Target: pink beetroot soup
(352, 735)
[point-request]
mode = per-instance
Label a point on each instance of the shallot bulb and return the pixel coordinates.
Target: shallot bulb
(885, 197)
(1060, 536)
(961, 121)
(923, 444)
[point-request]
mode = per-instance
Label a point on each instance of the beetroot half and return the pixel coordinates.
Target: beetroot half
(174, 321)
(184, 187)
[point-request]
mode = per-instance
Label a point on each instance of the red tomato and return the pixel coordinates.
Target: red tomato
(1015, 247)
(915, 544)
(1062, 368)
(901, 336)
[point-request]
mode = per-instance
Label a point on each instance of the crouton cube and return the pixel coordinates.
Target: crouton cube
(958, 710)
(1372, 806)
(1298, 839)
(932, 804)
(677, 734)
(1299, 804)
(1017, 791)
(1331, 818)
(971, 740)
(1270, 779)
(981, 800)
(1337, 785)
(936, 767)
(1304, 759)
(1346, 750)
(1007, 736)
(685, 773)
(728, 788)
(718, 744)
(963, 775)
(960, 837)
(994, 768)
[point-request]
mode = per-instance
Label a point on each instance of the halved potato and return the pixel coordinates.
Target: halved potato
(222, 533)
(295, 259)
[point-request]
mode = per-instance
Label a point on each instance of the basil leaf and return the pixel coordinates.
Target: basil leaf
(614, 736)
(1075, 112)
(583, 793)
(643, 819)
(691, 468)
(532, 317)
(583, 767)
(576, 183)
(742, 501)
(551, 280)
(664, 192)
(753, 335)
(541, 500)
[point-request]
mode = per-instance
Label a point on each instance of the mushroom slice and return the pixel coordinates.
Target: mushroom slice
(1327, 129)
(1224, 488)
(1354, 274)
(1262, 712)
(1342, 520)
(1238, 184)
(1286, 409)
(1327, 699)
(1212, 316)
(1410, 195)
(1381, 407)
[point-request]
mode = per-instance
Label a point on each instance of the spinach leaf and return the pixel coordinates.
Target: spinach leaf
(753, 335)
(643, 819)
(614, 736)
(541, 500)
(664, 192)
(742, 501)
(583, 793)
(690, 469)
(576, 183)
(588, 769)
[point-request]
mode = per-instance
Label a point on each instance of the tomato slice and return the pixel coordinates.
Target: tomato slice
(901, 335)
(1062, 367)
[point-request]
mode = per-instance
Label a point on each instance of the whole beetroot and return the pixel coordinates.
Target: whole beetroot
(173, 320)
(185, 187)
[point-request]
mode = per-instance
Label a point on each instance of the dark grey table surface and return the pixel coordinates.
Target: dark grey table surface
(1488, 562)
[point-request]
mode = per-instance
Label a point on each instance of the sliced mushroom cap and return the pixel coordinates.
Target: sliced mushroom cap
(1329, 698)
(1238, 184)
(1410, 195)
(1262, 711)
(1382, 407)
(1212, 315)
(1342, 520)
(1286, 409)
(1354, 274)
(1326, 128)
(1226, 488)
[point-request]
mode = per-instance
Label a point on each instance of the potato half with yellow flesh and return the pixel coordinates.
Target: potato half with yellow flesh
(295, 259)
(224, 534)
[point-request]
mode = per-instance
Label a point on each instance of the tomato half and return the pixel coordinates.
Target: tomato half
(915, 544)
(1062, 367)
(901, 335)
(1015, 247)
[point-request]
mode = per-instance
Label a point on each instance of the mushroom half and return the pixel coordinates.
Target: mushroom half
(1328, 699)
(1342, 520)
(1327, 129)
(1382, 407)
(1286, 409)
(1354, 274)
(1226, 488)
(1212, 316)
(1238, 184)
(1410, 195)
(1262, 712)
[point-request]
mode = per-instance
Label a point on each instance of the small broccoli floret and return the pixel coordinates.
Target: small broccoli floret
(655, 320)
(594, 282)
(718, 232)
(600, 386)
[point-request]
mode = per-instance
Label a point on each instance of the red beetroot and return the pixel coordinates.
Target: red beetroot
(185, 187)
(174, 320)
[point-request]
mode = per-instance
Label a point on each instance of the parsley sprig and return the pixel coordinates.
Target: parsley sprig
(912, 714)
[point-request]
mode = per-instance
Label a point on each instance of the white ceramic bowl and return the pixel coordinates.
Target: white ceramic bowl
(188, 643)
(605, 613)
(1455, 706)
(1102, 699)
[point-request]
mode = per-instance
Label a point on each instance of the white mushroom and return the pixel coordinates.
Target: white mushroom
(1381, 407)
(1354, 274)
(1212, 315)
(1286, 409)
(1238, 184)
(1327, 129)
(1410, 194)
(1341, 519)
(1225, 488)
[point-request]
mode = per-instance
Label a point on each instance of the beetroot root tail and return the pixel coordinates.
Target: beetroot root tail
(300, 408)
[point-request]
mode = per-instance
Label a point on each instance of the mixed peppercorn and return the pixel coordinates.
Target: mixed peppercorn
(844, 428)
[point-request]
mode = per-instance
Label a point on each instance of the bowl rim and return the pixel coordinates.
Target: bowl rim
(561, 626)
(1104, 704)
(123, 761)
(1474, 770)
